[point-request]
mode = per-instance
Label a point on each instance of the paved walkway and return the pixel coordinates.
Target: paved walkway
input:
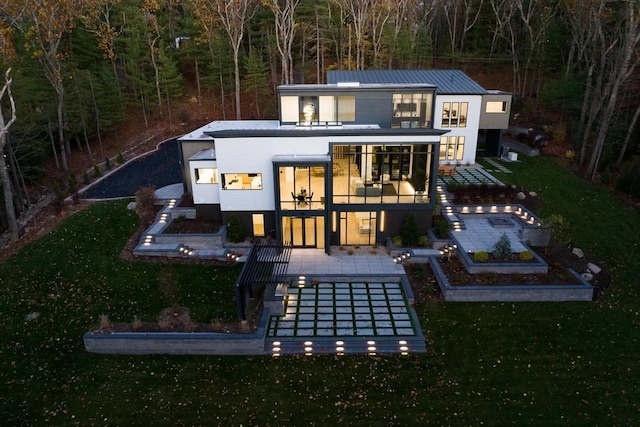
(345, 304)
(469, 175)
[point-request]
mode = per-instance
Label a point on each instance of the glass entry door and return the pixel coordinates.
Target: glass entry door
(303, 232)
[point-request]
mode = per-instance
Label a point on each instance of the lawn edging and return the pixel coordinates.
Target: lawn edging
(209, 343)
(581, 291)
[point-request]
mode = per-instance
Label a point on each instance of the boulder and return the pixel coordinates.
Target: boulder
(132, 206)
(587, 276)
(533, 194)
(578, 252)
(593, 268)
(521, 196)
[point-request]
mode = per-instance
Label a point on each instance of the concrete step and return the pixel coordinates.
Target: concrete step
(345, 345)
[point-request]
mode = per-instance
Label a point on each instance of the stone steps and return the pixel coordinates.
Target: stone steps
(345, 345)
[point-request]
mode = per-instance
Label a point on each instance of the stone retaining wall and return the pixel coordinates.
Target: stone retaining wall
(178, 342)
(196, 241)
(581, 291)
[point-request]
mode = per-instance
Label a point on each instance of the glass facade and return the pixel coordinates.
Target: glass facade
(381, 174)
(412, 110)
(309, 110)
(302, 188)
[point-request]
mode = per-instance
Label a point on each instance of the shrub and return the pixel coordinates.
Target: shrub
(96, 171)
(85, 178)
(409, 230)
(525, 256)
(502, 249)
(105, 323)
(423, 241)
(136, 324)
(145, 203)
(107, 163)
(235, 230)
(397, 241)
(443, 227)
(480, 256)
(120, 159)
(72, 183)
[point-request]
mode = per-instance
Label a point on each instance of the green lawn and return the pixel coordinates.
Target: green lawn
(496, 364)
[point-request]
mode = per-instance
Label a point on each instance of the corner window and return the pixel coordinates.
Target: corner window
(289, 109)
(412, 110)
(242, 181)
(206, 176)
(496, 107)
(454, 114)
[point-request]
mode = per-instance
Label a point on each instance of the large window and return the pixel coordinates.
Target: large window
(412, 110)
(206, 176)
(454, 114)
(302, 187)
(308, 110)
(242, 181)
(496, 107)
(337, 109)
(375, 174)
(451, 148)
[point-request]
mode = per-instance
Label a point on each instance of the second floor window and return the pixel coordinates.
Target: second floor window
(412, 110)
(454, 114)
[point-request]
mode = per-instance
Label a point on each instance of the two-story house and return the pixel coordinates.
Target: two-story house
(346, 161)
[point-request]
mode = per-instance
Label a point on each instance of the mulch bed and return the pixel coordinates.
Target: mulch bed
(425, 287)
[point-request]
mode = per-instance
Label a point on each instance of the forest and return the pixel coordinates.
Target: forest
(73, 71)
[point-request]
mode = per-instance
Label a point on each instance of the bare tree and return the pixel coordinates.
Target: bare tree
(235, 15)
(623, 61)
(399, 11)
(285, 23)
(455, 11)
(380, 14)
(360, 16)
(4, 174)
(97, 19)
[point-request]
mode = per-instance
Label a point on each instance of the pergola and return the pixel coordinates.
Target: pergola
(266, 264)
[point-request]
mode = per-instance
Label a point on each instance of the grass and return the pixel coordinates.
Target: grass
(495, 364)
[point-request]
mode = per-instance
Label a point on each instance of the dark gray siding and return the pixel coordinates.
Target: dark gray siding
(374, 107)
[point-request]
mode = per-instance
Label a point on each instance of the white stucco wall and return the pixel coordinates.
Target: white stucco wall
(470, 132)
(204, 193)
(255, 155)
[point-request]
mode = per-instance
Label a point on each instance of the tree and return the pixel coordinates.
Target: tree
(256, 78)
(49, 22)
(284, 13)
(4, 174)
(98, 20)
(235, 15)
(621, 63)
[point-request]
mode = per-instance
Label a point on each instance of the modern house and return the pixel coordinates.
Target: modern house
(347, 161)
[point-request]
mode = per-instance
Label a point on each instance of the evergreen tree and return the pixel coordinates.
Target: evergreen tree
(256, 83)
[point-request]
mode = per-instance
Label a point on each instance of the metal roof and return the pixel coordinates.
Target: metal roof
(452, 82)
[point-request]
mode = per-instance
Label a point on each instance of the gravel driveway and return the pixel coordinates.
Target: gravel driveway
(155, 169)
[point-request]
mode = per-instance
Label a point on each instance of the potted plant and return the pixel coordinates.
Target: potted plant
(418, 180)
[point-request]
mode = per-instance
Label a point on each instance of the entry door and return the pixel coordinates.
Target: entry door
(303, 232)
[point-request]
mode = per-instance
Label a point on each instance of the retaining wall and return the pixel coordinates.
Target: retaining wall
(581, 291)
(179, 342)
